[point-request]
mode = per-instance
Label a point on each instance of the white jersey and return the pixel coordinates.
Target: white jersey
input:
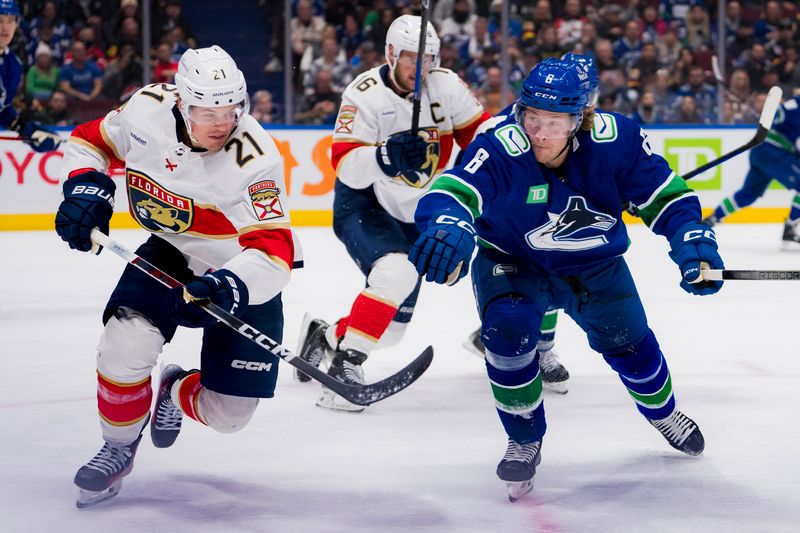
(224, 209)
(371, 112)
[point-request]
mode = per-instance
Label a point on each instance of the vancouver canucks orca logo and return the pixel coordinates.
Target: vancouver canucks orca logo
(156, 208)
(576, 228)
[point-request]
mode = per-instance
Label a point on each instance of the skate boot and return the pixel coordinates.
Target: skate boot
(345, 367)
(518, 467)
(554, 375)
(791, 235)
(474, 343)
(312, 346)
(711, 221)
(168, 417)
(681, 433)
(101, 478)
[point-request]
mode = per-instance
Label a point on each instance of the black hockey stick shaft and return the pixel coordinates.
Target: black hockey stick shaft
(754, 275)
(357, 394)
(417, 103)
(764, 124)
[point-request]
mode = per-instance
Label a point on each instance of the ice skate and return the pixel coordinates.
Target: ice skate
(518, 467)
(554, 375)
(681, 433)
(101, 478)
(474, 343)
(791, 235)
(345, 367)
(167, 420)
(312, 345)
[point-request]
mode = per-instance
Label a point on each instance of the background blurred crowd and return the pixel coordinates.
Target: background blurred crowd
(83, 57)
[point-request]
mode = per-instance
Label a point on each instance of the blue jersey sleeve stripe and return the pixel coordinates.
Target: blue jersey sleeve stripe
(670, 203)
(656, 192)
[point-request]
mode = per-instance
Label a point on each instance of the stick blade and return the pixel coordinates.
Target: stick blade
(375, 392)
(770, 107)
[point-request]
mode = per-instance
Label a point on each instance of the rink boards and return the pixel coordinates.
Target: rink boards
(30, 192)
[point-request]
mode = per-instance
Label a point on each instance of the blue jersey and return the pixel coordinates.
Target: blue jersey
(562, 220)
(10, 76)
(785, 132)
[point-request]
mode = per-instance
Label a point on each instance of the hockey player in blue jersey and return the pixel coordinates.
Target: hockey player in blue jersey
(542, 193)
(555, 376)
(38, 137)
(778, 157)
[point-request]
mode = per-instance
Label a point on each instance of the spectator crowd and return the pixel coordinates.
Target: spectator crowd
(654, 56)
(83, 57)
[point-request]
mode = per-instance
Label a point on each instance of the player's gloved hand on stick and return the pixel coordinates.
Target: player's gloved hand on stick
(693, 244)
(38, 136)
(88, 203)
(445, 246)
(402, 153)
(221, 287)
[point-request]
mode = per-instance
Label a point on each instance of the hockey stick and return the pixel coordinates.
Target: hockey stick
(755, 275)
(764, 124)
(357, 394)
(417, 104)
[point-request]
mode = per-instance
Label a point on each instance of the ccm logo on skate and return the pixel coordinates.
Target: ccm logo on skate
(258, 366)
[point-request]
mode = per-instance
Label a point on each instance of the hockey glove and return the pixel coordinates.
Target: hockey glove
(36, 135)
(88, 203)
(443, 251)
(693, 244)
(221, 287)
(402, 153)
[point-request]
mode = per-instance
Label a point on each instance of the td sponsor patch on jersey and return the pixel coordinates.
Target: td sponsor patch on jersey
(346, 118)
(264, 197)
(156, 208)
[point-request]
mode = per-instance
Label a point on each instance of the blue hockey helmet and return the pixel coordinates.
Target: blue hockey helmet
(591, 69)
(557, 86)
(9, 7)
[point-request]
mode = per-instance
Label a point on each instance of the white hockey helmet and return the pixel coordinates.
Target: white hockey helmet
(209, 77)
(403, 34)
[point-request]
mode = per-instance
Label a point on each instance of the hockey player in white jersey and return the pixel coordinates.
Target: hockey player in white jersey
(205, 179)
(382, 170)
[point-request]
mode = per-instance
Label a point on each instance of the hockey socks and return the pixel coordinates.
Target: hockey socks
(187, 390)
(123, 407)
(369, 317)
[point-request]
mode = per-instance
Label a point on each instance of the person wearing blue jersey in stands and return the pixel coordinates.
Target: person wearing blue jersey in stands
(777, 158)
(542, 193)
(37, 136)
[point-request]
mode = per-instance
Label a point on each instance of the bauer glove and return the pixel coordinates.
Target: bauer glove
(88, 203)
(221, 287)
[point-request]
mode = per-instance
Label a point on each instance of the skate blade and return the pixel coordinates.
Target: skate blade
(518, 489)
(332, 401)
(559, 387)
(88, 498)
(472, 349)
(307, 318)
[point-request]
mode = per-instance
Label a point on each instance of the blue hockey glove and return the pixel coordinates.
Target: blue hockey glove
(402, 153)
(41, 139)
(88, 203)
(443, 251)
(222, 287)
(693, 244)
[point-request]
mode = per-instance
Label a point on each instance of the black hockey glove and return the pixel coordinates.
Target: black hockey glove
(402, 153)
(221, 287)
(88, 203)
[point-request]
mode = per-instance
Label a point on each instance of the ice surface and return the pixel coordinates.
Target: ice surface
(424, 460)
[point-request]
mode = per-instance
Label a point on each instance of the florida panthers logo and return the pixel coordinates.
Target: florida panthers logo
(420, 179)
(575, 228)
(155, 208)
(265, 199)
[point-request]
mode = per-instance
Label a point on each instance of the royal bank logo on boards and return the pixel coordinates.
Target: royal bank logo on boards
(684, 155)
(156, 208)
